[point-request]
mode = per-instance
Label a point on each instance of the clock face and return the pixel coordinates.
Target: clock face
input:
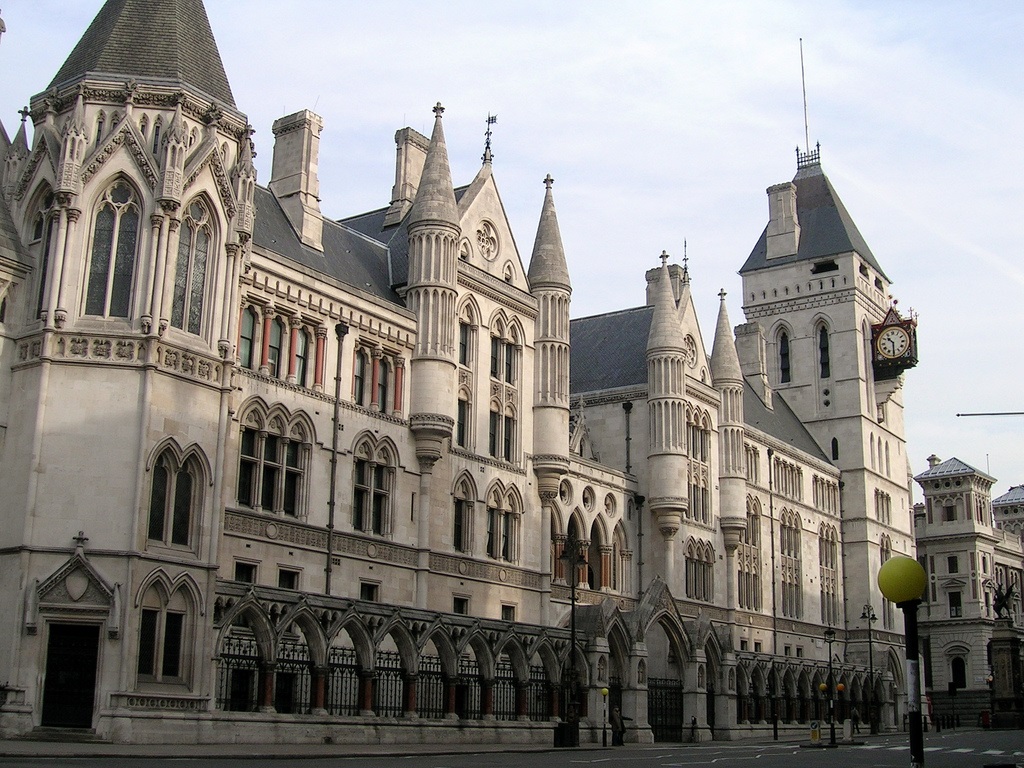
(893, 342)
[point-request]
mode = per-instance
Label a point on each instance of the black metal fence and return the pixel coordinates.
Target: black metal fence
(342, 682)
(389, 685)
(665, 708)
(430, 689)
(292, 679)
(238, 668)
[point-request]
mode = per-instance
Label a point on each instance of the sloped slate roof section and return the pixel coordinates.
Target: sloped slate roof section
(1013, 496)
(950, 468)
(609, 351)
(826, 227)
(395, 237)
(348, 256)
(10, 243)
(779, 422)
(163, 40)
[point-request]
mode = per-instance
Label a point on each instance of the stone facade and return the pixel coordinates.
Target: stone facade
(270, 475)
(971, 554)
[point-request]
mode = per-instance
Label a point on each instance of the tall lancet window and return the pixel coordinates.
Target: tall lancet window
(190, 269)
(823, 357)
(784, 370)
(114, 242)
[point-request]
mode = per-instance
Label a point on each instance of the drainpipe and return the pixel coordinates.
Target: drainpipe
(340, 330)
(628, 408)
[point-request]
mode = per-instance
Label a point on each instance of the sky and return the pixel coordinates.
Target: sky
(666, 123)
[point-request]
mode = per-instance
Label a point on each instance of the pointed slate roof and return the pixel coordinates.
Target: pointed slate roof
(951, 468)
(666, 328)
(826, 227)
(168, 41)
(10, 243)
(547, 264)
(725, 363)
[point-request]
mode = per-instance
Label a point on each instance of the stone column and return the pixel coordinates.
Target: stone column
(409, 686)
(375, 402)
(399, 383)
(318, 677)
(268, 319)
(366, 678)
(318, 364)
(266, 687)
(294, 323)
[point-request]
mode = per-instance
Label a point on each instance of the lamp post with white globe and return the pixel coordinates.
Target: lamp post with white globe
(902, 580)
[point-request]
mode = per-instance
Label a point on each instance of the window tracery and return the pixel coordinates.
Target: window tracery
(114, 247)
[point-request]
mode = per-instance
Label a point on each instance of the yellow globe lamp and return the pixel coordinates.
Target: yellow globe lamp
(604, 691)
(902, 579)
(822, 687)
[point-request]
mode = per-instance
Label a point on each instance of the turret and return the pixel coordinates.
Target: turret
(549, 283)
(728, 380)
(666, 390)
(433, 257)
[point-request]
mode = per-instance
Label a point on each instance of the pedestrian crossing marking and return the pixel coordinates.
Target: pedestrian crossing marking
(963, 749)
(994, 752)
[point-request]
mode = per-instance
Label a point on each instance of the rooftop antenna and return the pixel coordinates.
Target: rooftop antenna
(491, 120)
(803, 86)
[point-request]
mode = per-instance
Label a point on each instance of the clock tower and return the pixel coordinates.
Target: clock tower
(836, 349)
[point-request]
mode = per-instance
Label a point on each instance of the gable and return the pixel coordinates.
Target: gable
(487, 240)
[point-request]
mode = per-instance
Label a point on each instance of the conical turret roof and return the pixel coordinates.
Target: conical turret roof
(725, 363)
(547, 265)
(169, 41)
(666, 330)
(435, 197)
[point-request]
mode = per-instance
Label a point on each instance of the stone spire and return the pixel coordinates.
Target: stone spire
(666, 332)
(549, 282)
(725, 363)
(169, 42)
(435, 197)
(728, 380)
(244, 179)
(17, 154)
(547, 265)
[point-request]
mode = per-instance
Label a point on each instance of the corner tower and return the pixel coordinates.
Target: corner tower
(814, 286)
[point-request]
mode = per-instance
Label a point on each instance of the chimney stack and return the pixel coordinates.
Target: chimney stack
(751, 349)
(783, 225)
(411, 154)
(294, 179)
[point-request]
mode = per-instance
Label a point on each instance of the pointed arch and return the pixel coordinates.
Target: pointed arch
(194, 265)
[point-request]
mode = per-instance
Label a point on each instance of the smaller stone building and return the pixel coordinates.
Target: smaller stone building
(969, 551)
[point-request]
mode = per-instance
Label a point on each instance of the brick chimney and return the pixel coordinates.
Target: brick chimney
(783, 226)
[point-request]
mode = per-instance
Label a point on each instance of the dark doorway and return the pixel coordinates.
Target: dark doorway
(709, 708)
(69, 690)
(665, 708)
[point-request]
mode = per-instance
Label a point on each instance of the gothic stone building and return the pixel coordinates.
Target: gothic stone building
(271, 475)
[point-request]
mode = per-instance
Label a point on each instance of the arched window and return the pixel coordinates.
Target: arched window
(360, 373)
(301, 353)
(247, 338)
(784, 364)
(792, 580)
(114, 243)
(383, 374)
(958, 670)
(164, 628)
(190, 268)
(502, 526)
(825, 367)
(372, 487)
(174, 500)
(835, 449)
(699, 571)
(462, 520)
(272, 467)
(42, 233)
(274, 346)
(156, 136)
(828, 567)
(749, 560)
(462, 420)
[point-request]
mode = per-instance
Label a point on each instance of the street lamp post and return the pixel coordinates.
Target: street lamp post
(604, 718)
(868, 614)
(902, 580)
(830, 637)
(572, 559)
